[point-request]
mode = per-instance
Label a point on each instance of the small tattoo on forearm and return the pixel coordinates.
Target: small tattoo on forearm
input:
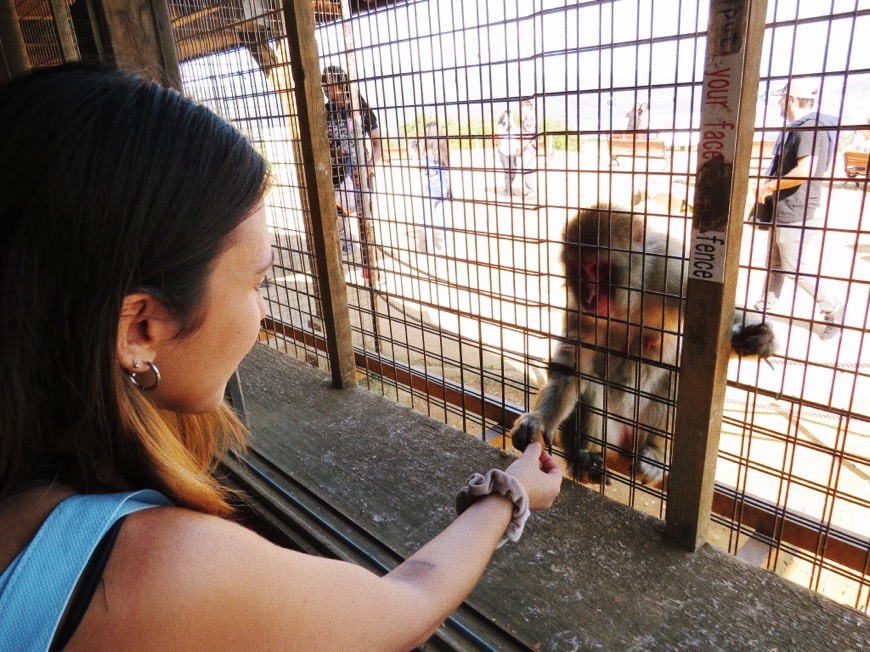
(425, 565)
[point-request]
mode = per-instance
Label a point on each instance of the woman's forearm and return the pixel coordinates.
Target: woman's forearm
(444, 571)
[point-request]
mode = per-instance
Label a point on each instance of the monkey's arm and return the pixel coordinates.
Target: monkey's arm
(553, 403)
(751, 336)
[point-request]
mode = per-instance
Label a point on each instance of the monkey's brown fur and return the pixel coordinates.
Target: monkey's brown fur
(621, 345)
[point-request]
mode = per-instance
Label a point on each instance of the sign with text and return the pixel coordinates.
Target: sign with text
(717, 146)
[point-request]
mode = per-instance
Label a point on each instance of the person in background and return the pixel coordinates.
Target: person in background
(508, 147)
(350, 164)
(791, 197)
(134, 253)
(529, 147)
(638, 118)
(433, 156)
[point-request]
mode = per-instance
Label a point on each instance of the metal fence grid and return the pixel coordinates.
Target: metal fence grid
(797, 434)
(46, 26)
(464, 335)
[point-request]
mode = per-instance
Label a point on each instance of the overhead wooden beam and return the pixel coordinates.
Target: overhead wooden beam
(135, 35)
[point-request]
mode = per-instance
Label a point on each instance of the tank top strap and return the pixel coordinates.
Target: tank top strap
(37, 585)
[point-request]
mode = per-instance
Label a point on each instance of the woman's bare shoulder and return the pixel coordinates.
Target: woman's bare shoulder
(183, 580)
(178, 578)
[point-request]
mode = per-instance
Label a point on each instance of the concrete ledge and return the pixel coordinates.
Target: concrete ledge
(589, 574)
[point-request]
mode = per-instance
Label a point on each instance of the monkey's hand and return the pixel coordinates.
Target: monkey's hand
(590, 465)
(649, 464)
(753, 339)
(528, 428)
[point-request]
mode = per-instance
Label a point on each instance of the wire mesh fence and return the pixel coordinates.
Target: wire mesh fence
(464, 136)
(46, 27)
(796, 433)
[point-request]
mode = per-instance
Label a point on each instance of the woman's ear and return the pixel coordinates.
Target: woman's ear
(144, 327)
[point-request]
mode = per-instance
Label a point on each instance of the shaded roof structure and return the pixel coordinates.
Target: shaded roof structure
(202, 27)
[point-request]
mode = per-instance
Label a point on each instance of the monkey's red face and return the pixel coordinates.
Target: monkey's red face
(595, 286)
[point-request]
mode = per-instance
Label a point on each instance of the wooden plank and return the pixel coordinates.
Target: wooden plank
(137, 35)
(206, 43)
(761, 515)
(856, 164)
(735, 35)
(305, 69)
(202, 14)
(641, 146)
(588, 574)
(63, 25)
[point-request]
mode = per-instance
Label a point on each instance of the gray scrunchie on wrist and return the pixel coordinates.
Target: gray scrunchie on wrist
(497, 481)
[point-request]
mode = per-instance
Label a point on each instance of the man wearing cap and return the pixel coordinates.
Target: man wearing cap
(802, 154)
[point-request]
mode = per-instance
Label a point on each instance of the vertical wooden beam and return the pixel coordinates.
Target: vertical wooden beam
(61, 14)
(136, 35)
(13, 53)
(730, 88)
(305, 67)
(88, 29)
(274, 61)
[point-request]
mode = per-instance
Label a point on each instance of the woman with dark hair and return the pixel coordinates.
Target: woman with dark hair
(133, 252)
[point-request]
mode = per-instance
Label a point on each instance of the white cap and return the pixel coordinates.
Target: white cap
(801, 88)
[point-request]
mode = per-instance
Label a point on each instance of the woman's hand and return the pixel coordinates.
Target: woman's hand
(539, 474)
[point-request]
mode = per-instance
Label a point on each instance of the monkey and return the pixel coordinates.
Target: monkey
(621, 343)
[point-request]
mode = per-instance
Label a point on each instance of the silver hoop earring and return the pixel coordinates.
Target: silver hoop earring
(134, 376)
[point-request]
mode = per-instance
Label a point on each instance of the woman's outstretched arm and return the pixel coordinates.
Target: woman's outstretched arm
(180, 579)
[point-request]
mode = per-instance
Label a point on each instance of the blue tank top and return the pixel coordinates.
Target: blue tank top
(37, 585)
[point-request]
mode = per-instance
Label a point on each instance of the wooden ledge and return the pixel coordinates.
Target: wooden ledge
(353, 475)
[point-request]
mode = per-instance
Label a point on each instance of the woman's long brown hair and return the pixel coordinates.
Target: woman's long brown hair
(111, 185)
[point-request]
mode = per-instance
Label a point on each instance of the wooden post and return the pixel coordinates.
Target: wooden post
(305, 67)
(13, 53)
(136, 35)
(274, 61)
(61, 16)
(734, 38)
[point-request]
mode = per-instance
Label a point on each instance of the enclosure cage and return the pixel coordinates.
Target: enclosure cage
(456, 296)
